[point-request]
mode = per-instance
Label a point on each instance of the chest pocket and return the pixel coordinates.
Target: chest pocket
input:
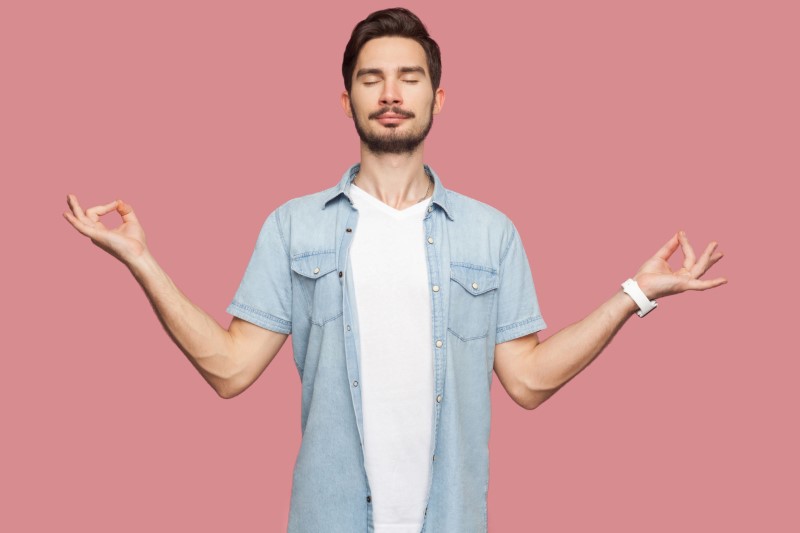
(319, 284)
(472, 292)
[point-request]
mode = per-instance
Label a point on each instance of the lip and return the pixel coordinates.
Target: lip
(391, 118)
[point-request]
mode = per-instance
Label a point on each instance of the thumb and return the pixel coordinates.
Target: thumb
(126, 212)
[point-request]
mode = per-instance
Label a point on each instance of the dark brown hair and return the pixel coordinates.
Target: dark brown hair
(394, 22)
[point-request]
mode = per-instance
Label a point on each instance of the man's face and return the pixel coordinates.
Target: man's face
(391, 99)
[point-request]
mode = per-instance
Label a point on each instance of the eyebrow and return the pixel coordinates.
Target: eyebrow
(401, 70)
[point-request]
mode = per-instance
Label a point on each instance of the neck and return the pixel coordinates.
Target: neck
(398, 180)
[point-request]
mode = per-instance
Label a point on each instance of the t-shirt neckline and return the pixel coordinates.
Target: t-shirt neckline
(400, 213)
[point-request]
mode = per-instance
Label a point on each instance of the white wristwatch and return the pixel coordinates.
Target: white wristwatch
(632, 289)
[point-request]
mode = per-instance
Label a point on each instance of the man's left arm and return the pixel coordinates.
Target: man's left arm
(532, 371)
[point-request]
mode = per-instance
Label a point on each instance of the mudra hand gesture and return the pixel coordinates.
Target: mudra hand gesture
(656, 278)
(126, 242)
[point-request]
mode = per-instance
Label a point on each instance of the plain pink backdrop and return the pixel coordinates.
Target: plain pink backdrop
(600, 128)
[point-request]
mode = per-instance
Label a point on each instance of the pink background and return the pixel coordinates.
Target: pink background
(600, 128)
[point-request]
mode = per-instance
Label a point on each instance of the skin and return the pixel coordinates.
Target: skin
(398, 180)
(390, 72)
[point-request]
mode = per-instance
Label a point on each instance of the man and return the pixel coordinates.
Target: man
(401, 298)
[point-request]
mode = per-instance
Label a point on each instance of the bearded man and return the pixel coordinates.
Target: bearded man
(401, 297)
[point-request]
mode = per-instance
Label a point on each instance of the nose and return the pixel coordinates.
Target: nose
(391, 93)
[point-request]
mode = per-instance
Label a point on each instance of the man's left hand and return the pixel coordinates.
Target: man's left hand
(656, 278)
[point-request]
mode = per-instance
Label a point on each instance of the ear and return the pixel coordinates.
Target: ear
(438, 101)
(348, 110)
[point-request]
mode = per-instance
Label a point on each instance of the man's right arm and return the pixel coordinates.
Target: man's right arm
(229, 360)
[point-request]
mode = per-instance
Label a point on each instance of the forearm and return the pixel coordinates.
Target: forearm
(559, 358)
(207, 345)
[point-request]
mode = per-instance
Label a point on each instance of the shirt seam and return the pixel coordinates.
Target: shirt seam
(512, 331)
(508, 247)
(280, 234)
(284, 326)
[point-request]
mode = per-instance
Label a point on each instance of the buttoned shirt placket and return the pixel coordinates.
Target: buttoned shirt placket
(437, 258)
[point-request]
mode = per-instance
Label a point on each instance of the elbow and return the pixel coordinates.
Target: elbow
(224, 376)
(534, 398)
(224, 393)
(530, 405)
(227, 389)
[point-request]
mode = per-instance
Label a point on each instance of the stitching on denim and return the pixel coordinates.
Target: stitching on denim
(262, 314)
(489, 293)
(306, 296)
(285, 251)
(313, 252)
(536, 318)
(280, 233)
(474, 267)
(510, 242)
(464, 285)
(466, 339)
(320, 324)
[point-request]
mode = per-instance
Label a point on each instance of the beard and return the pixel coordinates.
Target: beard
(392, 142)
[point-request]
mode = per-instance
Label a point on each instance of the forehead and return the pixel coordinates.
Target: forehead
(388, 53)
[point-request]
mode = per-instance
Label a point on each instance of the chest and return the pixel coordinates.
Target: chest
(453, 264)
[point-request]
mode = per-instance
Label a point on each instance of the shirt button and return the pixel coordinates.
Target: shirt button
(348, 327)
(348, 230)
(355, 384)
(439, 344)
(475, 285)
(435, 288)
(430, 240)
(340, 274)
(434, 457)
(316, 270)
(430, 208)
(439, 399)
(369, 499)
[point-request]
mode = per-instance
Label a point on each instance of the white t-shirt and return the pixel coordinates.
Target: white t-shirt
(393, 300)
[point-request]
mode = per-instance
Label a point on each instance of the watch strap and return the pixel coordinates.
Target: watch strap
(632, 289)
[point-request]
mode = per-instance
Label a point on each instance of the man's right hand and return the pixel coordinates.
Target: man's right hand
(125, 242)
(229, 360)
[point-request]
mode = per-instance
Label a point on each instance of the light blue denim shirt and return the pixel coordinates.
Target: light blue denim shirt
(298, 281)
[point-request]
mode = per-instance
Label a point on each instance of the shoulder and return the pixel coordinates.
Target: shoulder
(478, 232)
(313, 210)
(310, 205)
(308, 223)
(472, 215)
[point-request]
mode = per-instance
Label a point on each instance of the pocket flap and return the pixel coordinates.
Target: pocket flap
(475, 279)
(314, 264)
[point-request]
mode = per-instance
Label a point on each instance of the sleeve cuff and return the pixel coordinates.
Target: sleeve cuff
(519, 329)
(259, 318)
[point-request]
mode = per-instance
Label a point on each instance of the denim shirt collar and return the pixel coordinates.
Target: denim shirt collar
(343, 188)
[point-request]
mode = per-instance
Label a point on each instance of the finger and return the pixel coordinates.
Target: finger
(704, 262)
(77, 211)
(704, 284)
(668, 249)
(688, 252)
(78, 225)
(94, 213)
(126, 212)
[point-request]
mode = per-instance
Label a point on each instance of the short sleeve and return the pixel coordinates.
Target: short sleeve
(264, 296)
(518, 311)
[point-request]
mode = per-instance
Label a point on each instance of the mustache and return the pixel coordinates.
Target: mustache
(395, 110)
